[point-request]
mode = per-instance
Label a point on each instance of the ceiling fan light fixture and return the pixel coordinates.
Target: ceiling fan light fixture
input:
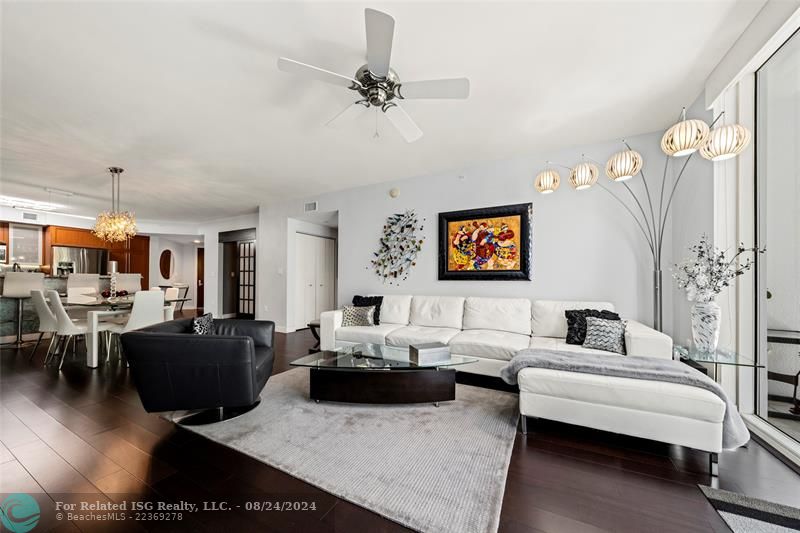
(379, 85)
(548, 181)
(684, 138)
(583, 176)
(725, 142)
(624, 165)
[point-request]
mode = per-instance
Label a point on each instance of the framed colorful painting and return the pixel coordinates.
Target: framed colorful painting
(492, 243)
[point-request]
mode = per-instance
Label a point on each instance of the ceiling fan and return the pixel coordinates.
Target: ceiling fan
(377, 84)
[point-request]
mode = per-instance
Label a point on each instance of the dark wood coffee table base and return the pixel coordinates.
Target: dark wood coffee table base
(383, 386)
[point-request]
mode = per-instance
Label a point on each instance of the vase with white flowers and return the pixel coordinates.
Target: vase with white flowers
(703, 276)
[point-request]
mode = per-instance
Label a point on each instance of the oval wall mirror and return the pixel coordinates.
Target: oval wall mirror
(165, 264)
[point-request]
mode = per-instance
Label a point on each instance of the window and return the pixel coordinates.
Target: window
(778, 224)
(25, 246)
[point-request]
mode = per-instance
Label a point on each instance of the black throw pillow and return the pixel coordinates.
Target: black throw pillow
(203, 325)
(369, 301)
(576, 322)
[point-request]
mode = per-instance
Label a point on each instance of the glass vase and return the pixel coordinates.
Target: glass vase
(705, 326)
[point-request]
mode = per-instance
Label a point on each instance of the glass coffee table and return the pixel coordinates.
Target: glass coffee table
(374, 373)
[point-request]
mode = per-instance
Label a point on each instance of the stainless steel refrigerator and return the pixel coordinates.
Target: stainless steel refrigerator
(79, 260)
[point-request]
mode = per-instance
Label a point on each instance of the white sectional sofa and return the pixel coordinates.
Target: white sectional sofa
(494, 329)
(491, 329)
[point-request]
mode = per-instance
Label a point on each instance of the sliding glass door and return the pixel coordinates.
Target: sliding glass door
(778, 229)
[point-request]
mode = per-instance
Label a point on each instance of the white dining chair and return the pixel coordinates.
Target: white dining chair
(84, 281)
(68, 328)
(169, 311)
(148, 309)
(48, 323)
(129, 282)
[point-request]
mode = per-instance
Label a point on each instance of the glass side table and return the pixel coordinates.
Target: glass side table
(719, 357)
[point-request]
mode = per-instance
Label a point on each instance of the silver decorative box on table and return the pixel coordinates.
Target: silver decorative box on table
(429, 353)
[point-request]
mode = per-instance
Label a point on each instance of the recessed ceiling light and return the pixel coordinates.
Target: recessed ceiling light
(25, 203)
(197, 241)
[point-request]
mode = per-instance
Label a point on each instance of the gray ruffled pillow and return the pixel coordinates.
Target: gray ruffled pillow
(608, 335)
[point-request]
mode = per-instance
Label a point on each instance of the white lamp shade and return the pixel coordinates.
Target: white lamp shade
(684, 137)
(624, 165)
(725, 142)
(583, 176)
(547, 181)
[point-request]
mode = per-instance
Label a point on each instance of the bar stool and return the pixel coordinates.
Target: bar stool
(18, 286)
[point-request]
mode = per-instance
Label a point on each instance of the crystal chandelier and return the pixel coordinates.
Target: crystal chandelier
(115, 225)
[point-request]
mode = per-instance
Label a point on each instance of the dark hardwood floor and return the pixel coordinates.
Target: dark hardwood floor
(82, 435)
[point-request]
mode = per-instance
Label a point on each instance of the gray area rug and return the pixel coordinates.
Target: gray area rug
(438, 469)
(751, 515)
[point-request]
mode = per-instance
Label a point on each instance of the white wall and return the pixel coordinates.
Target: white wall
(185, 265)
(584, 245)
(212, 297)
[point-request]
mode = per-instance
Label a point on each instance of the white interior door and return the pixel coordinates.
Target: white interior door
(326, 252)
(305, 289)
(316, 277)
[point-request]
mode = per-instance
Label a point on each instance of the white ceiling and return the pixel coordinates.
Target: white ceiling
(187, 97)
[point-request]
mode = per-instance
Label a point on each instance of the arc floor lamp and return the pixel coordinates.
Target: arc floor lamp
(651, 211)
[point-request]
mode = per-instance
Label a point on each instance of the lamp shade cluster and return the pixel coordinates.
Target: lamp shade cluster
(682, 139)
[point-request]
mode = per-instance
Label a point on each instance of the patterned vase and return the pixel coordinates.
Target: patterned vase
(705, 326)
(112, 287)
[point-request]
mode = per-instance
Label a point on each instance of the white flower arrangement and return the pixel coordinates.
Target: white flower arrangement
(710, 271)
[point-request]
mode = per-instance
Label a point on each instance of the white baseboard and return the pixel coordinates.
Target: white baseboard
(283, 329)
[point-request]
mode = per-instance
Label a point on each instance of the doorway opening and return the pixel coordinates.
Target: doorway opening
(201, 272)
(239, 273)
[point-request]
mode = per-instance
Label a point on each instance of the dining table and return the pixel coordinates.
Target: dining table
(102, 309)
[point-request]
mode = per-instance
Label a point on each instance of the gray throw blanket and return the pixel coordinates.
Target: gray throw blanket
(734, 432)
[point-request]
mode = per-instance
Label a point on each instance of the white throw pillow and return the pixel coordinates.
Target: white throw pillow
(357, 316)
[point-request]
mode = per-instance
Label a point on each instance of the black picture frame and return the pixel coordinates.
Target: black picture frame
(525, 211)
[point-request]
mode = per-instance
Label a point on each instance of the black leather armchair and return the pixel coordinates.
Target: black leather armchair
(174, 369)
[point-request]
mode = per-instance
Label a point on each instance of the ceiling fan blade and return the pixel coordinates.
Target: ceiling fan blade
(450, 88)
(403, 122)
(380, 31)
(347, 114)
(309, 71)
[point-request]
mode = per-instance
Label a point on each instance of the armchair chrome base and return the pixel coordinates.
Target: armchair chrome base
(215, 414)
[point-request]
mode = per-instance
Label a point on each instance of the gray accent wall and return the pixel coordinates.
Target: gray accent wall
(585, 247)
